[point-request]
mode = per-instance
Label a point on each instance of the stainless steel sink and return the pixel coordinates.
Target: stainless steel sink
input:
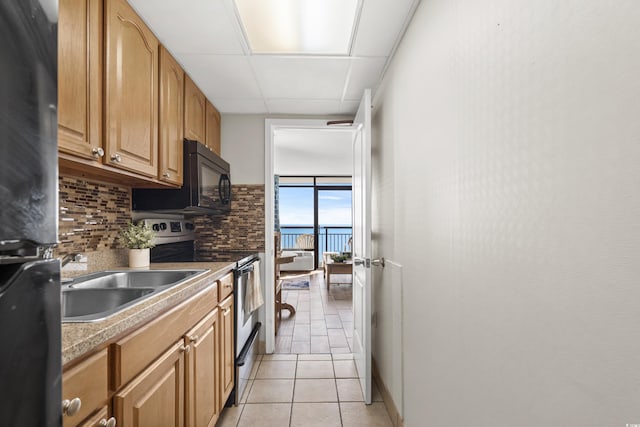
(133, 279)
(101, 295)
(81, 305)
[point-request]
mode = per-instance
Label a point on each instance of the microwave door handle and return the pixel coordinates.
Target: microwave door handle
(225, 184)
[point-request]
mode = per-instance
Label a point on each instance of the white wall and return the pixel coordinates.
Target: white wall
(508, 186)
(243, 147)
(313, 152)
(243, 144)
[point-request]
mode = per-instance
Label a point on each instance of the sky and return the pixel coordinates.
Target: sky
(296, 207)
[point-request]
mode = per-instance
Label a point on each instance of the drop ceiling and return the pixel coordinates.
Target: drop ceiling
(205, 36)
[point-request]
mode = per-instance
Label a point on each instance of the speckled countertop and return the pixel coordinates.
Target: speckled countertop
(80, 338)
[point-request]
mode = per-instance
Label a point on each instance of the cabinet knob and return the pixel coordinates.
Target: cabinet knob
(71, 407)
(97, 152)
(111, 422)
(166, 175)
(116, 158)
(185, 349)
(194, 338)
(227, 310)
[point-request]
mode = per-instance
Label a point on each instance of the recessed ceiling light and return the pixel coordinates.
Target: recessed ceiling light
(308, 27)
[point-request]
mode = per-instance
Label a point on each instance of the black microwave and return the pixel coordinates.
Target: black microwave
(206, 186)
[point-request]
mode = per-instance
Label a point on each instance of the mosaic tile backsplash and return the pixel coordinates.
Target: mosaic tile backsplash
(91, 215)
(241, 229)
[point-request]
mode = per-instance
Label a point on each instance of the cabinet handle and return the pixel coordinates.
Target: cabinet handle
(227, 310)
(185, 349)
(194, 339)
(71, 407)
(166, 175)
(97, 152)
(116, 158)
(111, 422)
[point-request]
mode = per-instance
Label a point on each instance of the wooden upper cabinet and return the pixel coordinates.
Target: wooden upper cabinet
(171, 116)
(212, 128)
(80, 78)
(131, 107)
(194, 112)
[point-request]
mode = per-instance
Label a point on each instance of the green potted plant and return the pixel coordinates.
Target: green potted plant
(138, 238)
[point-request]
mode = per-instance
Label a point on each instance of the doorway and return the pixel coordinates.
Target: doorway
(323, 152)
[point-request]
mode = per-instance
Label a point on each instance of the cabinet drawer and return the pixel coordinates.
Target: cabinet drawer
(137, 350)
(88, 382)
(95, 420)
(226, 287)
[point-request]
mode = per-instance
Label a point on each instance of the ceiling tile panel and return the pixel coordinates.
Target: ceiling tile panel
(222, 76)
(240, 106)
(301, 78)
(196, 26)
(365, 73)
(380, 24)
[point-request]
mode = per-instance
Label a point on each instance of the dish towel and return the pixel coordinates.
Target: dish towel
(253, 297)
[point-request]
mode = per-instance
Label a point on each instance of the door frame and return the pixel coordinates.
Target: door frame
(271, 126)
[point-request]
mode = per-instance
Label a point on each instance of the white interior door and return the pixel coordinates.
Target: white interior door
(362, 244)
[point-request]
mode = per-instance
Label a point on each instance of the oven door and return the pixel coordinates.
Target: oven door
(244, 275)
(214, 185)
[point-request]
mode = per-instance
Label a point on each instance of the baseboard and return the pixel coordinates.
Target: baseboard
(396, 419)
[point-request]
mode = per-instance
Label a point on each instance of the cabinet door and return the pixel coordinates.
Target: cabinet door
(80, 78)
(212, 128)
(194, 111)
(131, 91)
(227, 367)
(92, 394)
(171, 116)
(202, 361)
(156, 396)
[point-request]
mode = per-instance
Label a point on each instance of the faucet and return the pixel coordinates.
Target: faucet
(70, 257)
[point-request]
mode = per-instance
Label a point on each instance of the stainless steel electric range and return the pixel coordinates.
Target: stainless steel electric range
(175, 242)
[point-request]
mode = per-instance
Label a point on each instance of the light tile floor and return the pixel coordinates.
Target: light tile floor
(311, 380)
(323, 322)
(305, 390)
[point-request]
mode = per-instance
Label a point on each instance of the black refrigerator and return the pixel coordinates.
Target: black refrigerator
(30, 341)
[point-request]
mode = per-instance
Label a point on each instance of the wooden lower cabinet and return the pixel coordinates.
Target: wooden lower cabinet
(175, 371)
(100, 419)
(156, 396)
(85, 385)
(203, 407)
(227, 351)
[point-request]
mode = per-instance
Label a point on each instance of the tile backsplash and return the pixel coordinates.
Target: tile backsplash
(91, 214)
(241, 229)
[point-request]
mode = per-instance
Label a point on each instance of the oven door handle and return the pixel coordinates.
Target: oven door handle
(245, 270)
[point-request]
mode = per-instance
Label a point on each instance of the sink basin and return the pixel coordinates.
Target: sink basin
(97, 296)
(133, 279)
(81, 305)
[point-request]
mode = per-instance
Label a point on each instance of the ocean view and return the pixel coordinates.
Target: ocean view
(331, 238)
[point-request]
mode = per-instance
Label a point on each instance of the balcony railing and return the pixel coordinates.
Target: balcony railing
(329, 239)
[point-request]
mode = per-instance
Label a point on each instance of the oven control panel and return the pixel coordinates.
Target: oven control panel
(171, 230)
